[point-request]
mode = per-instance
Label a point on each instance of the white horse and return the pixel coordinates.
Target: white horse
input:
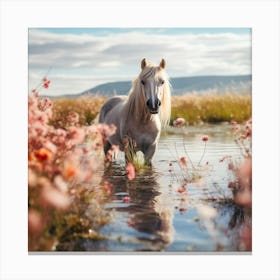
(142, 114)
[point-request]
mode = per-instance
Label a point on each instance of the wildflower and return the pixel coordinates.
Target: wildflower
(46, 82)
(73, 118)
(130, 171)
(77, 135)
(107, 187)
(35, 92)
(181, 189)
(179, 122)
(43, 154)
(126, 199)
(32, 179)
(35, 224)
(205, 138)
(70, 172)
(53, 197)
(51, 147)
(60, 184)
(183, 162)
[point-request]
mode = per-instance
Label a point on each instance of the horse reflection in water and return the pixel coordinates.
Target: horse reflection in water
(150, 210)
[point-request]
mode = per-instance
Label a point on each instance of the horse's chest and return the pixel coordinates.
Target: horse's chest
(146, 137)
(144, 134)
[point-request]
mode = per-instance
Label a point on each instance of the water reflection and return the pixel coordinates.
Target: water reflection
(160, 218)
(150, 211)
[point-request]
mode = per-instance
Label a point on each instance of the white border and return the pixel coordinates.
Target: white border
(262, 16)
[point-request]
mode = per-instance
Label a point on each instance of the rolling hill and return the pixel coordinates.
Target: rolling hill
(181, 85)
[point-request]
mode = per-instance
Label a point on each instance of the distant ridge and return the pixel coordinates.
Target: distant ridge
(180, 85)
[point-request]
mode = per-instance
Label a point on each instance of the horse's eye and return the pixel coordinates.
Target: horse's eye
(162, 82)
(142, 82)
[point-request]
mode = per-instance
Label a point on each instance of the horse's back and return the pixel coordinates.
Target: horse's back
(109, 105)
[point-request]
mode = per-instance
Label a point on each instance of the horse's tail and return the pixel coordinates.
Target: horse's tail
(108, 106)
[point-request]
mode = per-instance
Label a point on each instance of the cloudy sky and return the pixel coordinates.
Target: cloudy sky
(77, 59)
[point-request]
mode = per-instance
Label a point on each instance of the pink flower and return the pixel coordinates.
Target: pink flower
(32, 178)
(35, 223)
(130, 171)
(73, 118)
(181, 189)
(205, 138)
(54, 198)
(46, 82)
(179, 122)
(126, 199)
(77, 135)
(183, 162)
(60, 184)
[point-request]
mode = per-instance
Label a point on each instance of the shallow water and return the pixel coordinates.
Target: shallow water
(164, 216)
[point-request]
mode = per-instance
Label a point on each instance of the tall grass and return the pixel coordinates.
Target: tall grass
(64, 110)
(211, 108)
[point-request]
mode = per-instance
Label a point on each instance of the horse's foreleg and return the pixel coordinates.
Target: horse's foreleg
(149, 153)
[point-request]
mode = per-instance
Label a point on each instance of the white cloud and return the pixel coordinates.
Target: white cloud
(115, 56)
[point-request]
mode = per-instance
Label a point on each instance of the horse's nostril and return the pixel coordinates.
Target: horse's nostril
(148, 103)
(159, 102)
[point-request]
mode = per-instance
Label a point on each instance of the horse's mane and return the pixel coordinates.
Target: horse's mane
(136, 103)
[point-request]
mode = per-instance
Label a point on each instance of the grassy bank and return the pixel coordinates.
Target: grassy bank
(194, 109)
(211, 108)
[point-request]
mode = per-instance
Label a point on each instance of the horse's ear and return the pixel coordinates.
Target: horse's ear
(162, 64)
(143, 63)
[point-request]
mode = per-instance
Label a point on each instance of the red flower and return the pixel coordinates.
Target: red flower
(205, 138)
(43, 154)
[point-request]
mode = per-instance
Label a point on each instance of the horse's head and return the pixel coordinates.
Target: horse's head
(152, 81)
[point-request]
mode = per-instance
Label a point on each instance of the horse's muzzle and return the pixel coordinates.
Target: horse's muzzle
(154, 108)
